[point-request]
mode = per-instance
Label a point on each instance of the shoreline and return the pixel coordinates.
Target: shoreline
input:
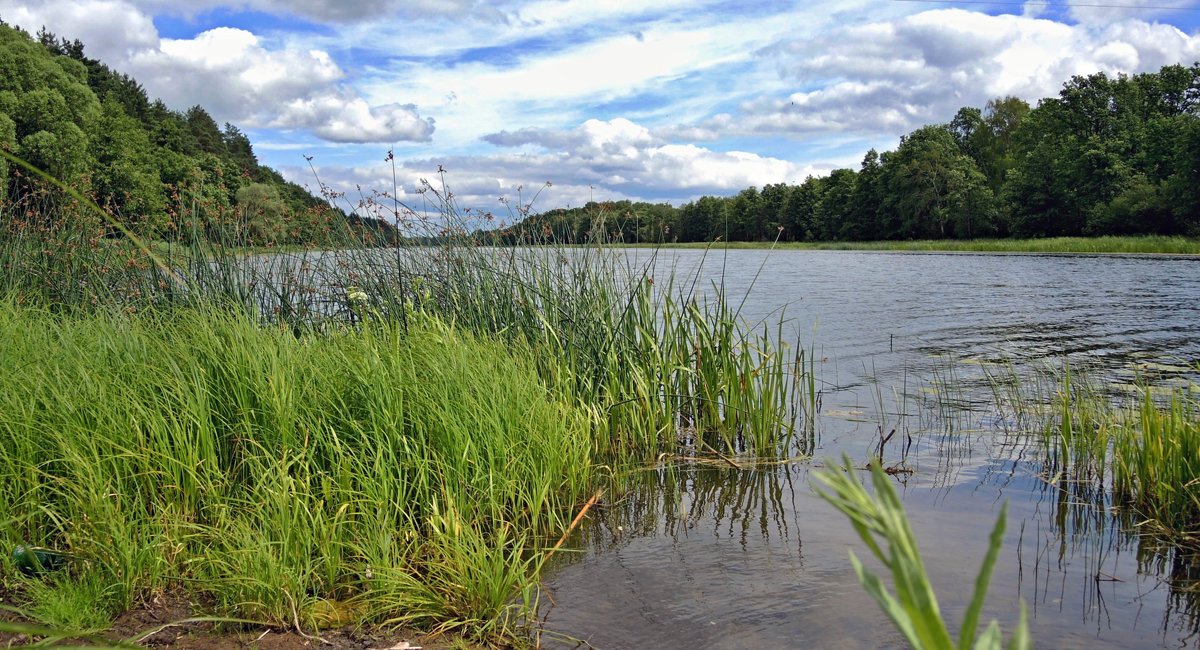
(1126, 246)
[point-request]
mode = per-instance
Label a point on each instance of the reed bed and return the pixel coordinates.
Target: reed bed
(366, 474)
(1137, 449)
(392, 435)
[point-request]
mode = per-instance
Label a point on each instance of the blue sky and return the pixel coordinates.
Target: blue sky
(661, 100)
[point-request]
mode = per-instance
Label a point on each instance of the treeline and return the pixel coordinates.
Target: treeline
(165, 174)
(1108, 156)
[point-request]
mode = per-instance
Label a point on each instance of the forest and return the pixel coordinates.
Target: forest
(165, 174)
(1107, 156)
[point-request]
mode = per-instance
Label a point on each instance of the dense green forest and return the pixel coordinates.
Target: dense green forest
(165, 174)
(1107, 156)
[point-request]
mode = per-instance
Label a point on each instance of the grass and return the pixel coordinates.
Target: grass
(1134, 446)
(881, 524)
(1133, 245)
(395, 436)
(1143, 451)
(407, 478)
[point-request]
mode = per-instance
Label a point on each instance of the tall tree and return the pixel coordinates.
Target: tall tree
(837, 204)
(126, 177)
(866, 204)
(930, 181)
(204, 131)
(50, 105)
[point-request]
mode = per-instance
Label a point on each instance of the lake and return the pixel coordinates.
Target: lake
(714, 557)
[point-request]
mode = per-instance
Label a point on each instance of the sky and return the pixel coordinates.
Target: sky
(655, 100)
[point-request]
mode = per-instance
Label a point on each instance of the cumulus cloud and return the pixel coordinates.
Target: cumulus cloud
(545, 138)
(230, 72)
(624, 155)
(897, 75)
(350, 119)
(1099, 13)
(109, 28)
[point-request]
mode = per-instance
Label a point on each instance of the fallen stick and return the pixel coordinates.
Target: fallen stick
(575, 522)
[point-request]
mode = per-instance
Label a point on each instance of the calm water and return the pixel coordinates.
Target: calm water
(702, 557)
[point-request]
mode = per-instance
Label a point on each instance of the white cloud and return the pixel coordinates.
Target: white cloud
(338, 11)
(553, 87)
(233, 75)
(891, 77)
(108, 28)
(621, 154)
(350, 119)
(1108, 13)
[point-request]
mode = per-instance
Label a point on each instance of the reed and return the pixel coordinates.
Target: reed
(1137, 449)
(316, 438)
(390, 476)
(1156, 463)
(880, 522)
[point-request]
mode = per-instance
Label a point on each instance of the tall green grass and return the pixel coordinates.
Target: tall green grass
(361, 434)
(665, 360)
(1156, 457)
(1144, 451)
(1137, 449)
(880, 522)
(369, 474)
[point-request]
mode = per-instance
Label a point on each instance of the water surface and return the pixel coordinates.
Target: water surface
(713, 557)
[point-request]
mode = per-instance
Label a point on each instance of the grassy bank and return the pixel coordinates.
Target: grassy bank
(356, 436)
(1149, 245)
(414, 477)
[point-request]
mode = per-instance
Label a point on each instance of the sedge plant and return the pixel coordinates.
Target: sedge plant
(880, 522)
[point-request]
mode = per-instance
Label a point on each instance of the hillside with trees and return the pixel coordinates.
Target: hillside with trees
(1107, 156)
(164, 174)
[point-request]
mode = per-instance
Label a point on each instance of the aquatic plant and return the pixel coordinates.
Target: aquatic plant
(880, 522)
(316, 438)
(410, 477)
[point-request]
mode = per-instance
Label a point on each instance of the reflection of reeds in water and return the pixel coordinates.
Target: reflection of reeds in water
(671, 500)
(1120, 473)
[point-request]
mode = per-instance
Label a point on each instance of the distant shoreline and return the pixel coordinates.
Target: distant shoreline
(1149, 245)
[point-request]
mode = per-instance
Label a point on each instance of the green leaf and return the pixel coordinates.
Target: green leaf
(874, 586)
(1020, 639)
(971, 619)
(991, 638)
